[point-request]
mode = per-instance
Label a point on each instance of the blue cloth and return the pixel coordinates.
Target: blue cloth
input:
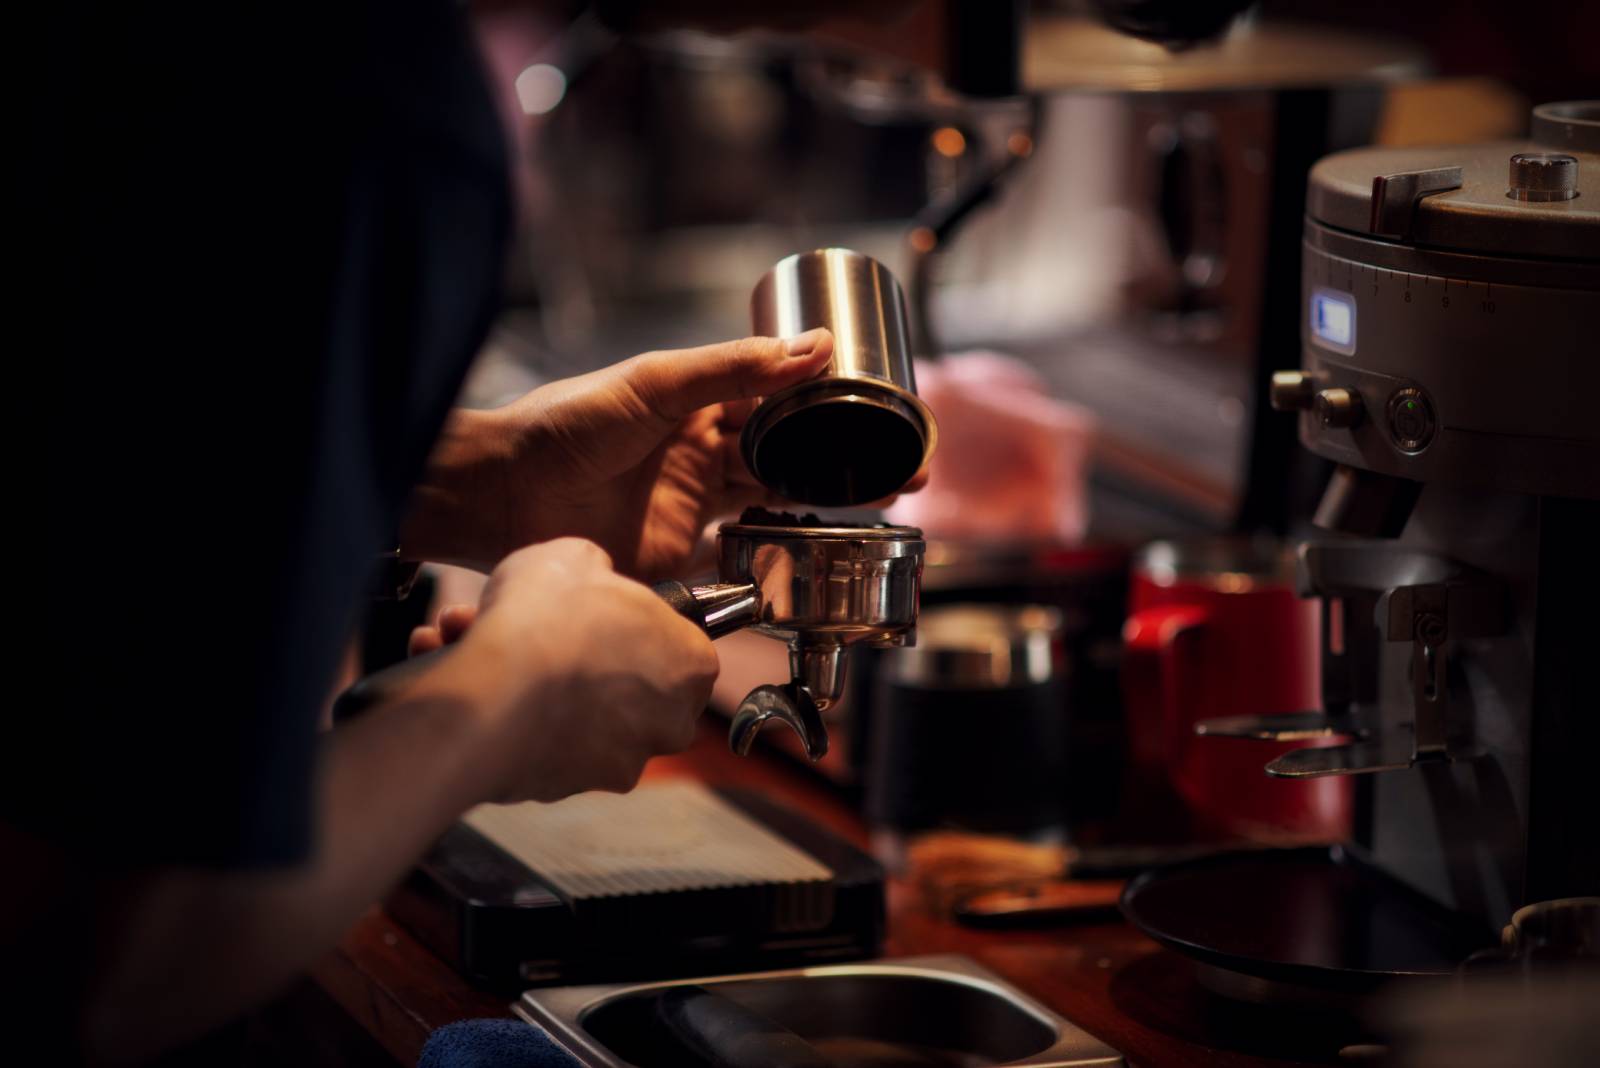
(493, 1043)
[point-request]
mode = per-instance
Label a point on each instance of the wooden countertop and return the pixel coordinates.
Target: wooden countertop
(1106, 977)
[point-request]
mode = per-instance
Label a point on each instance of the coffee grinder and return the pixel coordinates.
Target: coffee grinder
(1449, 303)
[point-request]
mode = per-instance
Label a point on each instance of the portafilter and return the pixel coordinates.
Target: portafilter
(817, 586)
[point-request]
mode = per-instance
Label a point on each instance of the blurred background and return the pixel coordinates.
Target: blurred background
(1099, 235)
(659, 175)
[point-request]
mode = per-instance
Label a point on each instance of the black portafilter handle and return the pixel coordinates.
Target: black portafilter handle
(717, 609)
(383, 684)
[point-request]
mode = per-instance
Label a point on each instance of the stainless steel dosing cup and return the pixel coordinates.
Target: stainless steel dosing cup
(857, 432)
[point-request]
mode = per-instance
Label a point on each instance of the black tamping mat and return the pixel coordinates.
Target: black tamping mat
(1270, 924)
(673, 879)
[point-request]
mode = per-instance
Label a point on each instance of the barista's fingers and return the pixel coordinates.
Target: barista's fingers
(454, 620)
(424, 639)
(735, 414)
(704, 423)
(670, 385)
(734, 470)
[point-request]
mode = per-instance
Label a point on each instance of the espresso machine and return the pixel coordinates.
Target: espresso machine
(1448, 308)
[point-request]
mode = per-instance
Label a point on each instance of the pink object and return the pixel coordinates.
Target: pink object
(1012, 461)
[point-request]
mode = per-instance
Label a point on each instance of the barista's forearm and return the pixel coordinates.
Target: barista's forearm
(188, 950)
(457, 513)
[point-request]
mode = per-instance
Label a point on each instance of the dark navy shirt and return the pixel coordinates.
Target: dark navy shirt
(284, 228)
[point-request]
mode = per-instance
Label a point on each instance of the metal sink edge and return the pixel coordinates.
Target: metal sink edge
(560, 1010)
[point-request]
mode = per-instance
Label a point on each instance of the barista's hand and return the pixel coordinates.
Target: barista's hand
(637, 458)
(447, 628)
(640, 456)
(579, 675)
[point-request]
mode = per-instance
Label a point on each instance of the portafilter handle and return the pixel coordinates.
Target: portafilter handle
(717, 609)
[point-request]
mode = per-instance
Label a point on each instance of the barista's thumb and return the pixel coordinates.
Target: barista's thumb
(672, 384)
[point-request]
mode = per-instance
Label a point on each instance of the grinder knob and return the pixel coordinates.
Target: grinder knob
(1338, 408)
(1543, 176)
(1292, 391)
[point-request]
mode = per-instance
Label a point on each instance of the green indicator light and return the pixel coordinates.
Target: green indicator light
(1412, 405)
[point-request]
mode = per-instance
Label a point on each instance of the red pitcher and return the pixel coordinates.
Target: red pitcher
(1215, 629)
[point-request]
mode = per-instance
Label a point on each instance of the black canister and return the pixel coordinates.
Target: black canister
(969, 726)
